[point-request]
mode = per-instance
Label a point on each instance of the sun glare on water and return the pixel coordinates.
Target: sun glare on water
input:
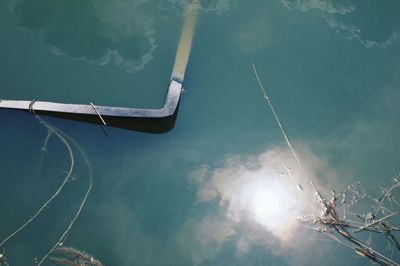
(275, 204)
(263, 193)
(266, 205)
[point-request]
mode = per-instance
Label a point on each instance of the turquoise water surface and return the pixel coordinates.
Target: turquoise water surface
(191, 196)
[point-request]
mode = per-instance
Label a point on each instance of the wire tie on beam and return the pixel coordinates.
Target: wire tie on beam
(98, 113)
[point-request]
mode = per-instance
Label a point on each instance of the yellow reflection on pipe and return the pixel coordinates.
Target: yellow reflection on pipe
(185, 42)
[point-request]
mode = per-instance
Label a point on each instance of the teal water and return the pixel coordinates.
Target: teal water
(331, 69)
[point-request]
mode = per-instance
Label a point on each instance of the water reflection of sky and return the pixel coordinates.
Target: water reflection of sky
(185, 197)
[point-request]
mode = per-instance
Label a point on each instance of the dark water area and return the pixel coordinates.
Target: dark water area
(191, 196)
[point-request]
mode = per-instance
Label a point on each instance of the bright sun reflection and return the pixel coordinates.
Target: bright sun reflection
(261, 193)
(266, 205)
(275, 204)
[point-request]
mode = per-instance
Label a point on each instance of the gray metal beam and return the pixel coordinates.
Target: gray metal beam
(149, 120)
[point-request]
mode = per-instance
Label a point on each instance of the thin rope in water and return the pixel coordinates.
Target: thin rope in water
(55, 194)
(43, 151)
(284, 134)
(83, 202)
(62, 136)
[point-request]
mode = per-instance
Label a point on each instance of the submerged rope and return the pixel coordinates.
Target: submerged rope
(57, 192)
(63, 236)
(63, 137)
(284, 134)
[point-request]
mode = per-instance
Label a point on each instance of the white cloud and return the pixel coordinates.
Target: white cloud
(101, 32)
(123, 20)
(330, 11)
(212, 6)
(323, 5)
(258, 197)
(254, 34)
(352, 32)
(202, 239)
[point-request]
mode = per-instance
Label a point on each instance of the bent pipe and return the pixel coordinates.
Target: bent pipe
(146, 120)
